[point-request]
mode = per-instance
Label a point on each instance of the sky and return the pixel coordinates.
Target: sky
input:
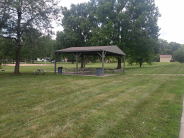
(171, 22)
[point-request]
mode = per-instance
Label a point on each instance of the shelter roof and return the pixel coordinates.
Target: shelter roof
(92, 50)
(165, 56)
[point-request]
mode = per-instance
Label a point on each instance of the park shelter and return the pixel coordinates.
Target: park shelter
(165, 58)
(102, 51)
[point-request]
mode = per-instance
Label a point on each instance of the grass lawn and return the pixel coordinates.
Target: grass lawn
(135, 105)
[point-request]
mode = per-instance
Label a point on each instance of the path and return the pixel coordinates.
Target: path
(162, 74)
(181, 135)
(29, 64)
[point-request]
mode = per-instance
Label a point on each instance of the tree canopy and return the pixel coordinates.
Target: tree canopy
(167, 48)
(129, 24)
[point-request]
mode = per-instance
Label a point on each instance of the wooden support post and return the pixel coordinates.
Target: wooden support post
(103, 63)
(77, 56)
(56, 55)
(55, 63)
(77, 63)
(102, 56)
(124, 65)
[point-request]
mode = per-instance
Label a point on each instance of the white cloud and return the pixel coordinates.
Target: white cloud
(67, 3)
(171, 21)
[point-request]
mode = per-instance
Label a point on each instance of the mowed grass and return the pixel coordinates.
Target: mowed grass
(135, 105)
(155, 68)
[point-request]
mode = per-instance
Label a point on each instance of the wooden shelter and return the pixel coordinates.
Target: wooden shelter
(102, 51)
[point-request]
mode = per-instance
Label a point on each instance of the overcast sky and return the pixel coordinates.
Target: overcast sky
(171, 21)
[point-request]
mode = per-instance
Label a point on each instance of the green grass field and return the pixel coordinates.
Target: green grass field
(135, 105)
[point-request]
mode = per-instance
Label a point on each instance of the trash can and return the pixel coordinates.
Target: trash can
(98, 71)
(60, 70)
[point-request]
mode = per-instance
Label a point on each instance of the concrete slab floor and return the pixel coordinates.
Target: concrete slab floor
(105, 75)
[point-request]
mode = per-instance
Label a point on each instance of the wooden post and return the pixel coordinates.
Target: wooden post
(102, 63)
(102, 56)
(77, 63)
(124, 65)
(55, 63)
(77, 56)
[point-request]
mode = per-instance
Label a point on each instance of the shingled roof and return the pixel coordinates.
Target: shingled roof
(92, 50)
(165, 56)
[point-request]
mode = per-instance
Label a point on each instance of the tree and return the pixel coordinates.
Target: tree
(7, 48)
(31, 44)
(143, 31)
(111, 20)
(21, 15)
(178, 55)
(36, 45)
(163, 46)
(168, 48)
(3, 15)
(129, 24)
(77, 23)
(173, 46)
(63, 40)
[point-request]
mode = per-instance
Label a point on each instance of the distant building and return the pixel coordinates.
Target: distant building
(38, 59)
(46, 58)
(165, 58)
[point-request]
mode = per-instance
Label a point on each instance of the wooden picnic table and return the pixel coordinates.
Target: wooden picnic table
(39, 71)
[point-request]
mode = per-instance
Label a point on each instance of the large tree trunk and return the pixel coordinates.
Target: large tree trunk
(140, 62)
(16, 71)
(32, 61)
(18, 40)
(119, 63)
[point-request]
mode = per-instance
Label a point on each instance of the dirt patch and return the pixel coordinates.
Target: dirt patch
(30, 64)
